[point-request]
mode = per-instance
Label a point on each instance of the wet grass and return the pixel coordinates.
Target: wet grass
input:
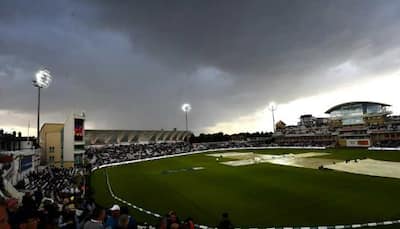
(257, 195)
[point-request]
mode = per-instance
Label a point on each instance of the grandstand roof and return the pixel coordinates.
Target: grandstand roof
(354, 103)
(104, 137)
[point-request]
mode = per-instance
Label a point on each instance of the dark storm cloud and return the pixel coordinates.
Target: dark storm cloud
(131, 64)
(251, 37)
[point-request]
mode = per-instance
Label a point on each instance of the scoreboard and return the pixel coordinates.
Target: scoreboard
(78, 129)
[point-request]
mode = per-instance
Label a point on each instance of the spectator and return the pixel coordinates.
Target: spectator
(225, 222)
(131, 220)
(96, 221)
(172, 220)
(12, 208)
(189, 224)
(113, 220)
(67, 218)
(123, 222)
(27, 213)
(3, 215)
(174, 226)
(48, 214)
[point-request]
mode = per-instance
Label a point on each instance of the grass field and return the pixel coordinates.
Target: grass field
(256, 195)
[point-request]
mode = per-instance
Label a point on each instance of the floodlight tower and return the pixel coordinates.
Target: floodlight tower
(272, 108)
(186, 108)
(41, 80)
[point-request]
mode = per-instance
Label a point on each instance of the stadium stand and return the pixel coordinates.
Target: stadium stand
(53, 198)
(98, 156)
(106, 137)
(119, 153)
(59, 197)
(352, 124)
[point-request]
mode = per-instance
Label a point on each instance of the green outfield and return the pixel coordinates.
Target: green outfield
(255, 195)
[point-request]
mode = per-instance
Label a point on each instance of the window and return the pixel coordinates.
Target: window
(51, 159)
(79, 147)
(353, 121)
(78, 131)
(78, 159)
(51, 149)
(374, 109)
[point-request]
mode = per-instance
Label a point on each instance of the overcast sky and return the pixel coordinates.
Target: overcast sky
(131, 64)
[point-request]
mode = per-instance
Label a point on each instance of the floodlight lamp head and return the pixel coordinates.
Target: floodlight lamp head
(186, 107)
(42, 79)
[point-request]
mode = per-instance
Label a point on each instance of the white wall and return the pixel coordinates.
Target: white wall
(69, 141)
(68, 151)
(26, 144)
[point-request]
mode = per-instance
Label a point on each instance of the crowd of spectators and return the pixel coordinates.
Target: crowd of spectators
(53, 198)
(309, 143)
(121, 153)
(47, 214)
(55, 182)
(388, 144)
(385, 135)
(119, 218)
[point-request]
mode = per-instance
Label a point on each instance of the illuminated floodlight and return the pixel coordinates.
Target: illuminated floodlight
(186, 107)
(42, 79)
